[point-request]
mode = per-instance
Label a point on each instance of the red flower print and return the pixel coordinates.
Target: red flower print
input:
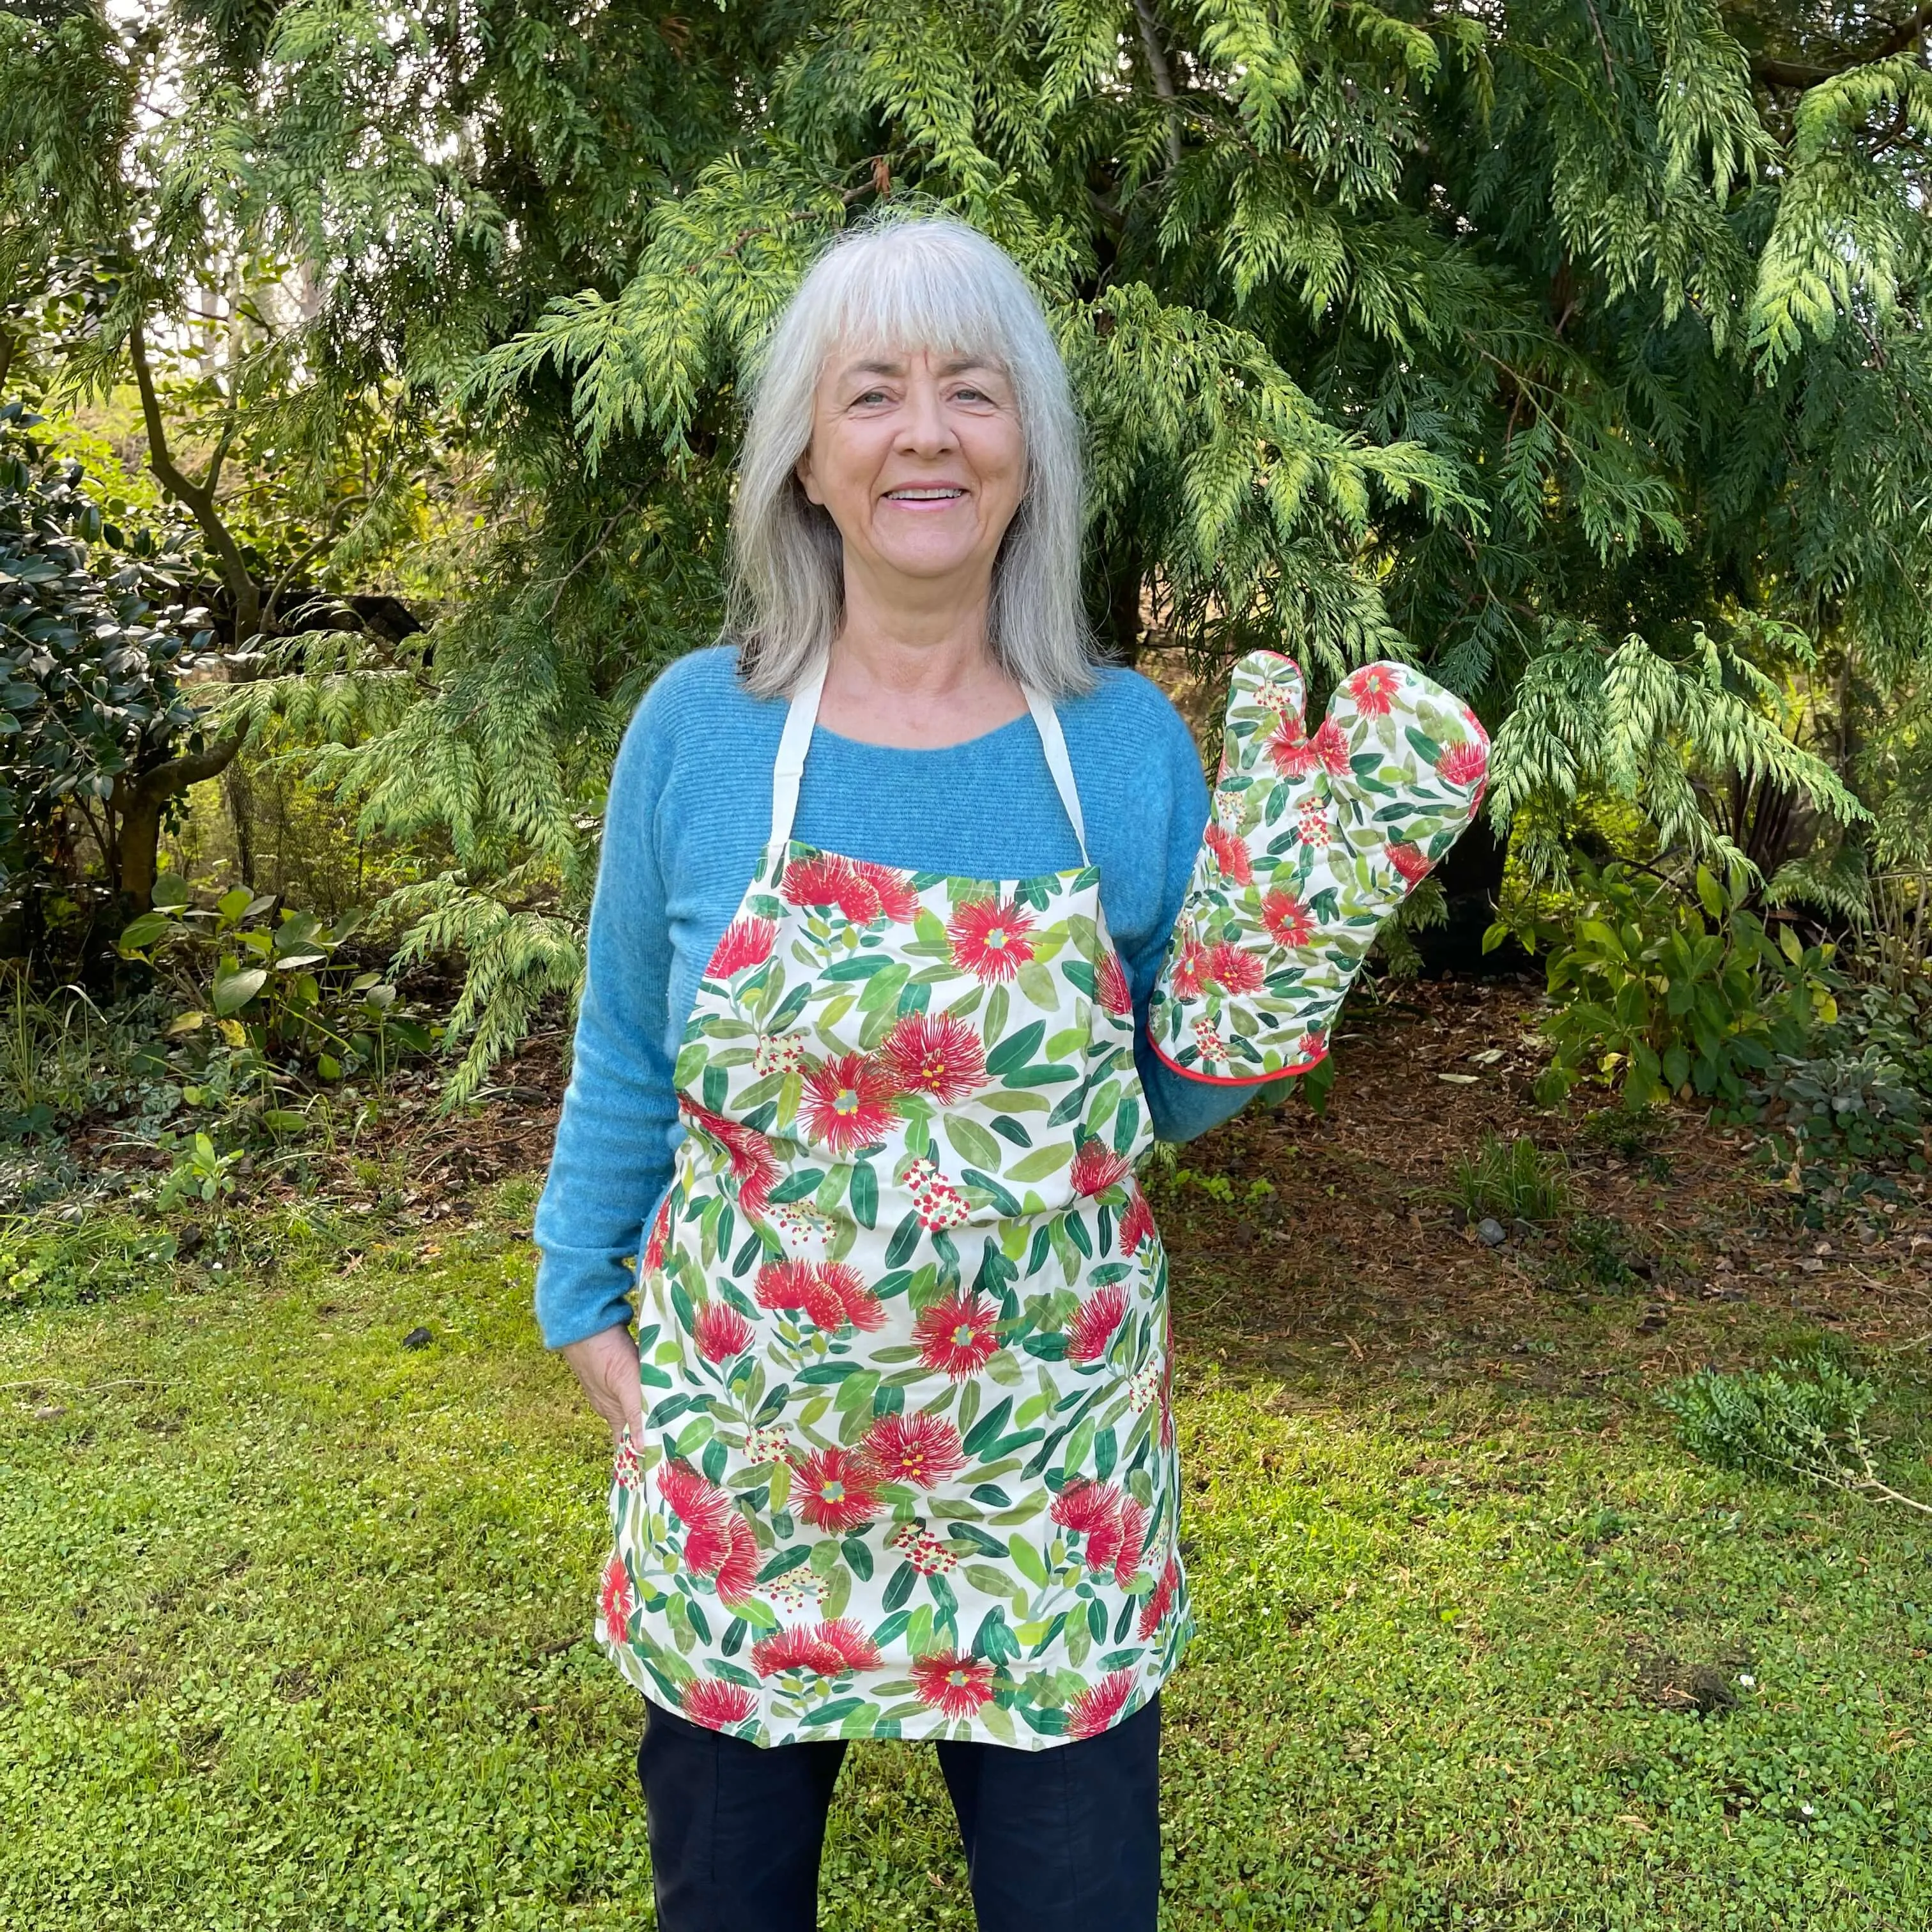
(893, 890)
(956, 1685)
(1411, 861)
(1133, 1541)
(1463, 765)
(824, 880)
(921, 1449)
(717, 1704)
(1373, 687)
(1154, 1611)
(989, 939)
(1290, 751)
(1227, 966)
(654, 1247)
(1110, 984)
(1096, 1320)
(1098, 1706)
(722, 1332)
(694, 1500)
(832, 1295)
(1096, 1167)
(744, 942)
(847, 1286)
(1231, 854)
(1287, 918)
(617, 1600)
(1331, 747)
(834, 1489)
(848, 1102)
(825, 1650)
(1137, 1223)
(1311, 822)
(739, 1572)
(936, 1054)
(752, 1166)
(958, 1335)
(1091, 1509)
(1190, 964)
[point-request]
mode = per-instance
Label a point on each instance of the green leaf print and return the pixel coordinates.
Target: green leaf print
(1041, 1162)
(972, 1142)
(863, 1194)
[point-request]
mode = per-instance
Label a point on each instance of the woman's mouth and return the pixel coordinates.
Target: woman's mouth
(933, 493)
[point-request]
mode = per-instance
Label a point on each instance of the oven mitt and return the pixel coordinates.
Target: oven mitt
(1312, 842)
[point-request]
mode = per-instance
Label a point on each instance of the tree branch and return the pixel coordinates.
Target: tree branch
(199, 499)
(1810, 74)
(1161, 75)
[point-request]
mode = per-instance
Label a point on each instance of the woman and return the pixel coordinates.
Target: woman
(861, 1068)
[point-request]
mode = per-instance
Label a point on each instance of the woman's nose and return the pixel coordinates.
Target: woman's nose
(924, 428)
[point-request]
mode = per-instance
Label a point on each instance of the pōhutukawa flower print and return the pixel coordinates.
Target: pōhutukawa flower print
(1096, 1168)
(1231, 853)
(744, 943)
(723, 1334)
(1339, 823)
(1159, 1601)
(936, 1054)
(717, 1704)
(617, 1602)
(920, 1450)
(831, 1650)
(958, 1336)
(955, 1685)
(1411, 861)
(1373, 687)
(1136, 1223)
(830, 1295)
(1098, 1319)
(990, 939)
(835, 1490)
(848, 1102)
(1233, 970)
(902, 1262)
(1099, 1707)
(1466, 765)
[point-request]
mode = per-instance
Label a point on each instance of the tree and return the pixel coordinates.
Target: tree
(1575, 351)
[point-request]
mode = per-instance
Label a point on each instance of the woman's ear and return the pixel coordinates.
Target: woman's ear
(802, 469)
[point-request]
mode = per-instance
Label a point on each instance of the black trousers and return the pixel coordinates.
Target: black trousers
(1066, 1840)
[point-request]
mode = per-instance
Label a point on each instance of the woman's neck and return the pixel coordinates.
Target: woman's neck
(915, 679)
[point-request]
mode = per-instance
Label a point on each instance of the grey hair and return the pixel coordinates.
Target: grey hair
(906, 283)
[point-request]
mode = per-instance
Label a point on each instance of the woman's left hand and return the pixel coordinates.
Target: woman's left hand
(606, 1364)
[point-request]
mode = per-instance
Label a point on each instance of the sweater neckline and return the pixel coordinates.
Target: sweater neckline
(838, 739)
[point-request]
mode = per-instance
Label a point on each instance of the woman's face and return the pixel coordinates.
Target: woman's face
(919, 459)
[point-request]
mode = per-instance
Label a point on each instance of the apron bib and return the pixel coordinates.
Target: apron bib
(907, 1467)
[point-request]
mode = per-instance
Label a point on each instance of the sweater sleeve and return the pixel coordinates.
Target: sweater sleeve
(1181, 1108)
(612, 1162)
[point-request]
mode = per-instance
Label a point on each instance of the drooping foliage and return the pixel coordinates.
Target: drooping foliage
(1575, 350)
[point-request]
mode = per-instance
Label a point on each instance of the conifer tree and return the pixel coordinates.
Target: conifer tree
(1575, 351)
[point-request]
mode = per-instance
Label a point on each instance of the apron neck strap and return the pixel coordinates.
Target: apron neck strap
(796, 740)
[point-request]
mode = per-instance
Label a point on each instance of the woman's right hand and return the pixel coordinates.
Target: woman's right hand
(606, 1366)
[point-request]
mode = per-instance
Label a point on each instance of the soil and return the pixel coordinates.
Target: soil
(1307, 1244)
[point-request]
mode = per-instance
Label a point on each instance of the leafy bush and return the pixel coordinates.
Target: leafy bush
(1658, 994)
(1798, 1421)
(94, 648)
(275, 999)
(1513, 1180)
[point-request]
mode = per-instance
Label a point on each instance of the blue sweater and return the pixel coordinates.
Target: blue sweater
(689, 812)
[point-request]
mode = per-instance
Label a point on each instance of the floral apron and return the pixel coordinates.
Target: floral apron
(907, 1466)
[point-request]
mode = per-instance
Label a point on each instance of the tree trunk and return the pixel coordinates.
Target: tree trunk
(140, 808)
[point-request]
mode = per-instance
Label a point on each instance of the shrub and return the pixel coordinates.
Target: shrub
(1800, 1422)
(1658, 994)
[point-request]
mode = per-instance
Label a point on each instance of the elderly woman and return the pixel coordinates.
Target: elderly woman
(862, 1075)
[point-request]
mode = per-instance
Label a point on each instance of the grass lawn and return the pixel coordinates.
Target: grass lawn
(293, 1634)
